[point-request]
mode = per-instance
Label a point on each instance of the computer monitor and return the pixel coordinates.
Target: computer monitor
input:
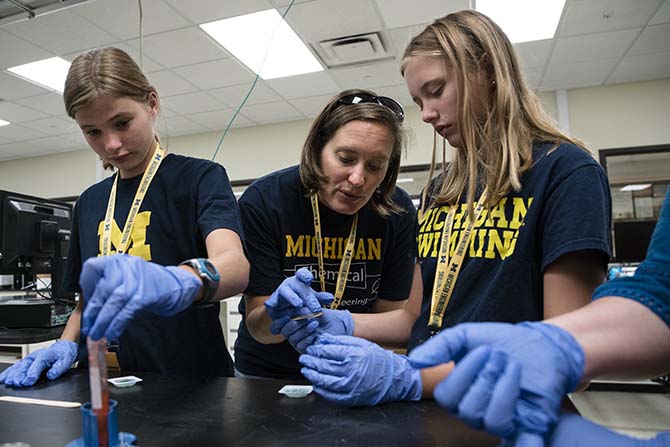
(631, 240)
(34, 239)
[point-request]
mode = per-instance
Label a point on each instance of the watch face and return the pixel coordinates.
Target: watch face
(208, 268)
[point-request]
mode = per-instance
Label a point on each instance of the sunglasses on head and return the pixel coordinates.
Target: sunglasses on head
(385, 101)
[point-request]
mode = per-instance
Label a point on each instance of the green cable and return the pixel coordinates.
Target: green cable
(237, 112)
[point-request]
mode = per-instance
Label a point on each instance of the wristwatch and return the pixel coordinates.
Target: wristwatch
(208, 274)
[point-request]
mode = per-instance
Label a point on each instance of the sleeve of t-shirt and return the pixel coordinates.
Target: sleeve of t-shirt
(398, 267)
(261, 244)
(73, 264)
(217, 206)
(577, 215)
(650, 285)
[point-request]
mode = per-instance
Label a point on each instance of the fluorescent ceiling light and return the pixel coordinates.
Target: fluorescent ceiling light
(524, 20)
(49, 73)
(265, 43)
(4, 123)
(404, 180)
(639, 187)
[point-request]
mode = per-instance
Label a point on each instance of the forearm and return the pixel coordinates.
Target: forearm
(73, 326)
(430, 377)
(620, 337)
(233, 268)
(258, 322)
(391, 329)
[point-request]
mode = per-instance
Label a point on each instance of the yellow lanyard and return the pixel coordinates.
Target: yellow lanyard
(346, 258)
(148, 176)
(447, 270)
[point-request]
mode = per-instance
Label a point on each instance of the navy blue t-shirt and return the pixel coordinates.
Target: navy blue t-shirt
(187, 199)
(564, 206)
(279, 237)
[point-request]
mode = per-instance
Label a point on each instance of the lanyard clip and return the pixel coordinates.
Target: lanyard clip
(433, 330)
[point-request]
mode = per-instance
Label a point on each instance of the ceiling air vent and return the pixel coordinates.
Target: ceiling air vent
(352, 50)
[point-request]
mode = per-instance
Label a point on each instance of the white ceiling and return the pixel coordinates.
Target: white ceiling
(598, 42)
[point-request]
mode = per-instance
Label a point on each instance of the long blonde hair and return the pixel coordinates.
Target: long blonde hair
(497, 148)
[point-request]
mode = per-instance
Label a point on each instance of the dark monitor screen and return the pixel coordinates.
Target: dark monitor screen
(34, 237)
(631, 240)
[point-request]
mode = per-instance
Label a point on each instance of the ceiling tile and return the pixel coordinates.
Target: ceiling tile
(534, 54)
(533, 77)
(178, 125)
(18, 133)
(165, 111)
(192, 103)
(310, 84)
(662, 15)
(312, 106)
(51, 103)
(279, 4)
(595, 16)
(121, 17)
(400, 37)
(15, 113)
(210, 10)
(580, 74)
(397, 13)
(16, 51)
(219, 119)
(13, 87)
(52, 126)
(167, 83)
(397, 92)
(214, 74)
(61, 32)
(642, 67)
(232, 96)
(272, 112)
(654, 39)
(610, 45)
(368, 76)
(180, 47)
(326, 19)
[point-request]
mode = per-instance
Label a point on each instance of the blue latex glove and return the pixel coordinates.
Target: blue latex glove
(117, 287)
(575, 431)
(295, 297)
(482, 390)
(303, 333)
(551, 360)
(58, 358)
(352, 371)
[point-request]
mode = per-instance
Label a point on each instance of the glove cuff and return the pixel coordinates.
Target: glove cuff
(188, 284)
(72, 346)
(347, 322)
(406, 380)
(566, 344)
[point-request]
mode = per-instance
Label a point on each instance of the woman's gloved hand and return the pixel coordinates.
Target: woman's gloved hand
(575, 431)
(303, 333)
(352, 371)
(116, 287)
(551, 361)
(295, 297)
(56, 359)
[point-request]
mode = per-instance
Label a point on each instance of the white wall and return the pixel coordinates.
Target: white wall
(633, 114)
(621, 115)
